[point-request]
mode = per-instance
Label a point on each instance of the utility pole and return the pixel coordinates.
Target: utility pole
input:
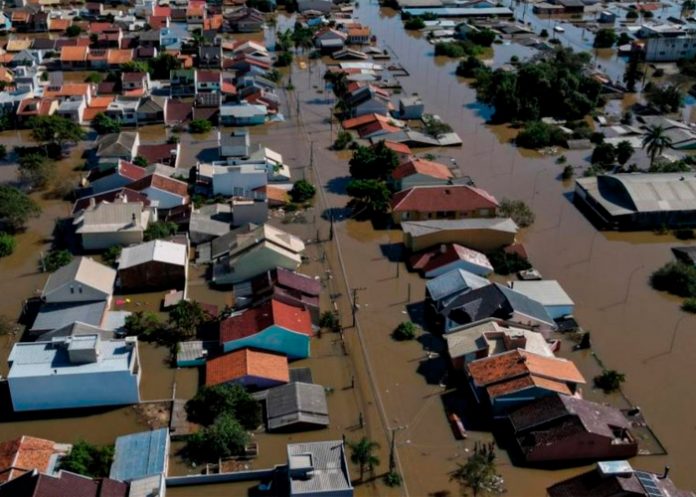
(392, 449)
(355, 302)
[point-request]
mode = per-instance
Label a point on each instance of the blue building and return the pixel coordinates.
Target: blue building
(142, 460)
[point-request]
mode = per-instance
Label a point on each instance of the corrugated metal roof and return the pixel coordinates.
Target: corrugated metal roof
(294, 403)
(140, 455)
(328, 471)
(546, 292)
(84, 271)
(457, 280)
(155, 250)
(54, 316)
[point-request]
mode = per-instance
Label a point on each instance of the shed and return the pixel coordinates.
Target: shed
(548, 293)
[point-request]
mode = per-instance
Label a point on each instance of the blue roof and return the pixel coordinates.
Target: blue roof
(524, 305)
(140, 455)
(451, 282)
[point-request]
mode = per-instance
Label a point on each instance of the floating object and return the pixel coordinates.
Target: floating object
(457, 425)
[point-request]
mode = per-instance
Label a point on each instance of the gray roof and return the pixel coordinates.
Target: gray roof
(627, 193)
(419, 228)
(105, 217)
(76, 329)
(296, 403)
(54, 316)
(140, 455)
(303, 375)
(152, 104)
(546, 292)
(455, 281)
(318, 467)
(116, 144)
(82, 271)
(524, 305)
(242, 110)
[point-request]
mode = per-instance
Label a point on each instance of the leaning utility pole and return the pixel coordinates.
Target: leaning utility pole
(355, 302)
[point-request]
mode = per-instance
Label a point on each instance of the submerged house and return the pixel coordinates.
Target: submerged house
(319, 468)
(436, 261)
(273, 326)
(253, 369)
(142, 459)
(513, 379)
(296, 406)
(548, 293)
(121, 223)
(157, 264)
(442, 202)
(483, 234)
(562, 428)
(23, 454)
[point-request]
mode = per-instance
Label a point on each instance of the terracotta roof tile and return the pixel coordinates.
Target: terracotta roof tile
(247, 362)
(421, 166)
(399, 148)
(73, 54)
(356, 122)
(23, 454)
(118, 56)
(162, 183)
(259, 318)
(459, 198)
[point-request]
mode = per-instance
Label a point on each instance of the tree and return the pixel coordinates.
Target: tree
(135, 66)
(435, 127)
(604, 154)
(144, 324)
(55, 131)
(187, 317)
(362, 454)
(676, 278)
(686, 7)
(104, 125)
(343, 139)
(467, 67)
(55, 260)
(655, 141)
(3, 152)
(376, 162)
(224, 438)
(479, 472)
(624, 152)
(88, 460)
(370, 197)
(36, 170)
(162, 65)
(415, 23)
(302, 191)
(605, 38)
(518, 211)
(689, 305)
(16, 208)
(200, 126)
(111, 255)
(329, 320)
(140, 161)
(405, 331)
(94, 77)
(631, 14)
(160, 229)
(610, 380)
(667, 98)
(274, 75)
(212, 401)
(284, 59)
(505, 263)
(568, 172)
(483, 37)
(451, 49)
(538, 134)
(7, 244)
(73, 31)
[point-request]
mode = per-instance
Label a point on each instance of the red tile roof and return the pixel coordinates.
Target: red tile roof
(126, 194)
(162, 11)
(100, 27)
(23, 454)
(160, 152)
(374, 127)
(399, 148)
(421, 166)
(247, 362)
(356, 122)
(73, 54)
(437, 257)
(161, 182)
(257, 319)
(117, 56)
(208, 76)
(457, 198)
(275, 195)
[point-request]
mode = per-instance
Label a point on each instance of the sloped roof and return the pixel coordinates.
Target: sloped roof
(156, 250)
(246, 362)
(296, 403)
(37, 484)
(112, 217)
(122, 194)
(82, 271)
(73, 54)
(457, 280)
(140, 455)
(420, 228)
(421, 166)
(161, 182)
(460, 198)
(446, 254)
(117, 144)
(24, 454)
(257, 319)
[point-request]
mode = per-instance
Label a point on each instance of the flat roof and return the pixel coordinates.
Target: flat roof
(329, 470)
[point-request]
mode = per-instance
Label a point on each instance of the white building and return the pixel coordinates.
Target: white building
(548, 293)
(105, 225)
(74, 372)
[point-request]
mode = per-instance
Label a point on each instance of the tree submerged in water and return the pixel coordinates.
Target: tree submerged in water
(479, 473)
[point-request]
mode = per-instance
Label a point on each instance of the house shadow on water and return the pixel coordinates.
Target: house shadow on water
(393, 252)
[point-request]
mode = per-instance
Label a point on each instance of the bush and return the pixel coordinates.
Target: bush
(451, 49)
(144, 324)
(631, 14)
(610, 380)
(434, 127)
(105, 125)
(467, 68)
(568, 172)
(604, 155)
(217, 400)
(200, 126)
(518, 211)
(302, 191)
(329, 320)
(405, 331)
(224, 438)
(284, 59)
(605, 38)
(483, 38)
(94, 77)
(507, 263)
(537, 134)
(160, 229)
(36, 170)
(684, 234)
(689, 305)
(392, 479)
(343, 139)
(544, 33)
(73, 31)
(7, 244)
(140, 161)
(88, 460)
(3, 152)
(55, 260)
(676, 278)
(414, 23)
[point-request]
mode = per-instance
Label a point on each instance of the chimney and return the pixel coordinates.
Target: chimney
(664, 474)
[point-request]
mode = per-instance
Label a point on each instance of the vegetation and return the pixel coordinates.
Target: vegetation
(376, 162)
(104, 125)
(363, 454)
(3, 152)
(16, 208)
(225, 437)
(604, 155)
(518, 211)
(434, 127)
(329, 320)
(144, 324)
(55, 260)
(73, 31)
(284, 59)
(36, 170)
(677, 166)
(213, 401)
(415, 23)
(668, 98)
(557, 86)
(633, 71)
(457, 49)
(684, 234)
(624, 152)
(200, 126)
(483, 37)
(392, 479)
(631, 14)
(343, 139)
(479, 472)
(160, 229)
(605, 38)
(94, 77)
(140, 161)
(676, 278)
(624, 39)
(111, 255)
(88, 460)
(689, 305)
(505, 263)
(467, 67)
(369, 197)
(610, 380)
(186, 317)
(7, 244)
(302, 191)
(538, 134)
(274, 75)
(568, 172)
(162, 65)
(655, 141)
(54, 132)
(405, 331)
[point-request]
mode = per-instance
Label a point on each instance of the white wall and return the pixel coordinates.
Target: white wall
(225, 183)
(101, 241)
(75, 292)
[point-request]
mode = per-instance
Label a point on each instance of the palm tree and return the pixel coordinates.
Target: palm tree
(687, 6)
(655, 141)
(362, 454)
